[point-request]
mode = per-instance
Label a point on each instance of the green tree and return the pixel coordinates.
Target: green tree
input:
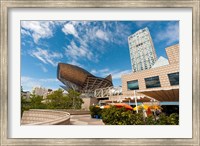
(56, 100)
(25, 104)
(74, 97)
(36, 102)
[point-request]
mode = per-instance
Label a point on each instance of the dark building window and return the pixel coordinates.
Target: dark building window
(174, 78)
(152, 82)
(133, 85)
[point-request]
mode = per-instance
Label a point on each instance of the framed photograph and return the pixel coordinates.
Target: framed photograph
(100, 72)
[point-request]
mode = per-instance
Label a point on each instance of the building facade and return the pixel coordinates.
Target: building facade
(142, 51)
(42, 91)
(161, 83)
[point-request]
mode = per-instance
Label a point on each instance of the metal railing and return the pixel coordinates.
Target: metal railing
(107, 92)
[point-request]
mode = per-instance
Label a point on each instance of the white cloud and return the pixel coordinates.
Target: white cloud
(93, 71)
(170, 34)
(44, 69)
(101, 35)
(142, 23)
(48, 80)
(101, 71)
(75, 52)
(104, 70)
(74, 62)
(25, 32)
(59, 22)
(69, 29)
(29, 83)
(118, 36)
(45, 56)
(116, 74)
(92, 38)
(38, 29)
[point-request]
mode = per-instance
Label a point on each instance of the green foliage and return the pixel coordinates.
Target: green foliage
(121, 116)
(173, 119)
(162, 120)
(95, 111)
(138, 119)
(150, 120)
(36, 102)
(75, 99)
(57, 100)
(25, 105)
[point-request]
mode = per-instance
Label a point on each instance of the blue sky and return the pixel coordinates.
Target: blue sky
(100, 47)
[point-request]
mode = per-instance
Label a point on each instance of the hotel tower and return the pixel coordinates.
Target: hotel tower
(142, 51)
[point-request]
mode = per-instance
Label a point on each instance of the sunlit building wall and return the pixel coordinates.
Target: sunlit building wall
(159, 77)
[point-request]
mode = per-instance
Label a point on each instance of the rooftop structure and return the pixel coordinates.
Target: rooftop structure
(142, 52)
(76, 78)
(161, 62)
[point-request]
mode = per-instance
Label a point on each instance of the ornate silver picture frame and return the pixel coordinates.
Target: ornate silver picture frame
(4, 89)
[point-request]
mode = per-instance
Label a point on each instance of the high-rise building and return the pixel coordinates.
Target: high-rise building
(142, 51)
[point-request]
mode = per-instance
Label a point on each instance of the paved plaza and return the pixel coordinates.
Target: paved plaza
(84, 120)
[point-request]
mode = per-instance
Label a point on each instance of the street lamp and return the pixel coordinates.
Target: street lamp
(135, 100)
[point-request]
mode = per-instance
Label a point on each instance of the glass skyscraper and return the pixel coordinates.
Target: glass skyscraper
(142, 51)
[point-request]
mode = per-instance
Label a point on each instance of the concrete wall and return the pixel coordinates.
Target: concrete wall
(45, 117)
(88, 102)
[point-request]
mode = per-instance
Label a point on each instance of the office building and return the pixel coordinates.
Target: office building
(142, 51)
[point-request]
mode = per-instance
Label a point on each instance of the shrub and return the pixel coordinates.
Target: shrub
(173, 119)
(95, 111)
(113, 116)
(150, 120)
(138, 119)
(121, 116)
(162, 120)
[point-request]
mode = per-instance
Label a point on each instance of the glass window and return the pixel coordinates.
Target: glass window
(152, 82)
(174, 78)
(133, 85)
